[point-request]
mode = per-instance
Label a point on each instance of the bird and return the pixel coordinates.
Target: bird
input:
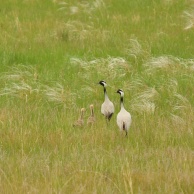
(80, 121)
(123, 117)
(91, 119)
(107, 107)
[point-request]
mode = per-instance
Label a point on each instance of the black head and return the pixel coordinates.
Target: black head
(119, 91)
(103, 83)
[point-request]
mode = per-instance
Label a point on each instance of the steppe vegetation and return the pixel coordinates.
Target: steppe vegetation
(52, 55)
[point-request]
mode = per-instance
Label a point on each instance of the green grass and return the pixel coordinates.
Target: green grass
(53, 54)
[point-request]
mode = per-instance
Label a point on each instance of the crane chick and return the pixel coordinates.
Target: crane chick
(107, 107)
(123, 117)
(80, 121)
(91, 119)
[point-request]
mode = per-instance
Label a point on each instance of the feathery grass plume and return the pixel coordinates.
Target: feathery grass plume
(181, 103)
(172, 85)
(167, 87)
(143, 102)
(78, 31)
(63, 6)
(91, 7)
(116, 67)
(60, 95)
(80, 62)
(21, 90)
(136, 50)
(170, 100)
(81, 7)
(75, 30)
(110, 67)
(189, 18)
(190, 64)
(19, 72)
(117, 62)
(99, 4)
(185, 63)
(164, 63)
(137, 83)
(148, 94)
(177, 120)
(20, 81)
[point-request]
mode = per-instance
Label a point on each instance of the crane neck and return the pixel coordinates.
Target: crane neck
(105, 94)
(92, 112)
(121, 102)
(82, 115)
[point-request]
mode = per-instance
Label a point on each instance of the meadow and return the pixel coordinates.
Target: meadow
(52, 55)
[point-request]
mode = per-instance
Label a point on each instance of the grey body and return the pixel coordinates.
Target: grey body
(123, 117)
(107, 107)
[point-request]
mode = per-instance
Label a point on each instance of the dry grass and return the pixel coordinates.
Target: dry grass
(52, 57)
(39, 135)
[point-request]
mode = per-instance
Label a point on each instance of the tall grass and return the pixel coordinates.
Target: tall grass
(53, 54)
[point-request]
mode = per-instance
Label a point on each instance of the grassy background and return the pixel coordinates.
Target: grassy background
(52, 54)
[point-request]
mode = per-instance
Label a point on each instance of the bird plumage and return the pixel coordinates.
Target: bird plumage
(91, 119)
(123, 117)
(80, 121)
(107, 107)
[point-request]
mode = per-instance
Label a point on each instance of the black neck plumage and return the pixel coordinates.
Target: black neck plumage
(121, 101)
(104, 90)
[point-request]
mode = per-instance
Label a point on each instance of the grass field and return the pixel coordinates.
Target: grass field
(52, 55)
